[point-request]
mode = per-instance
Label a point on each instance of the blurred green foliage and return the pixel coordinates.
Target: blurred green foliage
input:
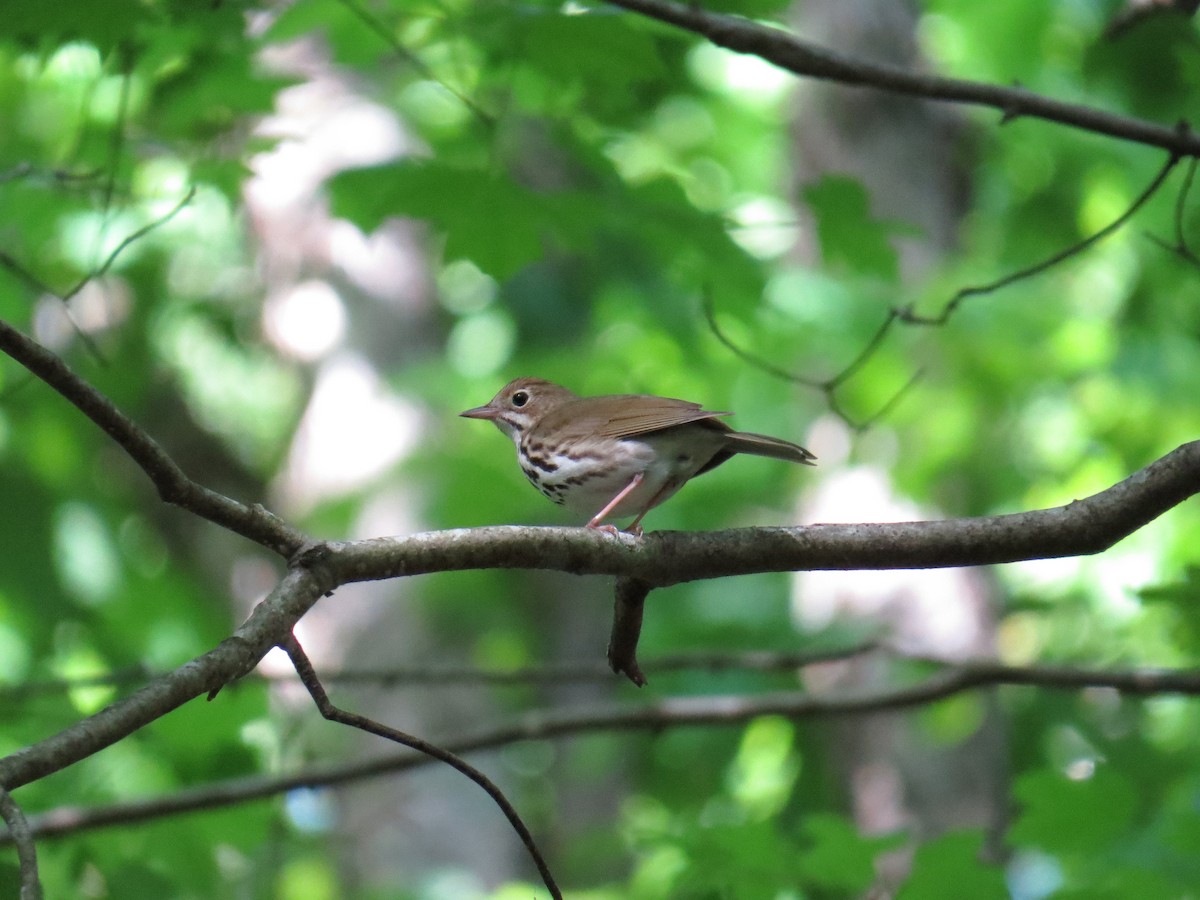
(581, 179)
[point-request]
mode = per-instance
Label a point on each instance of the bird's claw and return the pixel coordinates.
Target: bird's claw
(635, 530)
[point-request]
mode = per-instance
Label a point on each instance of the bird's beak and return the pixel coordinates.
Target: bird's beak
(480, 412)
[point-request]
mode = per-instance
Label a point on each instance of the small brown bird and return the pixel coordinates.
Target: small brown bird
(617, 455)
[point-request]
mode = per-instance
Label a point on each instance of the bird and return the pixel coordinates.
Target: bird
(617, 455)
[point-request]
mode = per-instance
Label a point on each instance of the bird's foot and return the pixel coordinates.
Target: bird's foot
(635, 529)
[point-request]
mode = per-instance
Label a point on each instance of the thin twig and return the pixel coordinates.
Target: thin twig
(438, 676)
(829, 386)
(20, 834)
(35, 284)
(335, 714)
(1181, 203)
(656, 716)
(864, 355)
(1181, 247)
(963, 294)
(422, 68)
(710, 316)
(125, 242)
(22, 274)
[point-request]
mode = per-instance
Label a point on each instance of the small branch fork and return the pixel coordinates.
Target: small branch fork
(333, 713)
(806, 59)
(907, 315)
(8, 262)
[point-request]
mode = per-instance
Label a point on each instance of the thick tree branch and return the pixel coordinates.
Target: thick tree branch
(656, 560)
(271, 620)
(659, 559)
(803, 58)
(1080, 528)
(253, 522)
(674, 712)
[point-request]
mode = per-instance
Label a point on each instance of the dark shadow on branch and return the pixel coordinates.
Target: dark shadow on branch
(335, 714)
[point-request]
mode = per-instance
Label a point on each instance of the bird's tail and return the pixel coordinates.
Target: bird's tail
(764, 445)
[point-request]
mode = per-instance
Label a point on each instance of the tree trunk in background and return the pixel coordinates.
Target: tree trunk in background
(906, 154)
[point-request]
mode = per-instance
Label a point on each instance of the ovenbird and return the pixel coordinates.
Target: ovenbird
(617, 455)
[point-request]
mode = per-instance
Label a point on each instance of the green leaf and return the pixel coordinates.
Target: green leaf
(486, 218)
(839, 858)
(585, 47)
(347, 34)
(1182, 597)
(104, 24)
(950, 867)
(849, 236)
(1065, 815)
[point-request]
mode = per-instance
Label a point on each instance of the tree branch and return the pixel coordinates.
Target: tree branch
(20, 834)
(1080, 528)
(253, 522)
(966, 293)
(673, 712)
(659, 559)
(628, 605)
(803, 58)
(656, 560)
(270, 621)
(443, 676)
(312, 683)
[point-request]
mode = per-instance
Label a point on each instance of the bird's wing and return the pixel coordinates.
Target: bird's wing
(633, 414)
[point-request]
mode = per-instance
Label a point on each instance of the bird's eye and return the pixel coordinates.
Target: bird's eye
(520, 398)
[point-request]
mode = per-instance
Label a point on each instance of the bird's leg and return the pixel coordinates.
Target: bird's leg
(612, 504)
(636, 527)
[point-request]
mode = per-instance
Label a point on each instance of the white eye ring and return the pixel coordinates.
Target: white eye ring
(520, 398)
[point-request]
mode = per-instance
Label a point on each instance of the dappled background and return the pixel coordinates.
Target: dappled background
(293, 241)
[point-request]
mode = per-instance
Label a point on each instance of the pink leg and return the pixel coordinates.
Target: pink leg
(612, 504)
(636, 527)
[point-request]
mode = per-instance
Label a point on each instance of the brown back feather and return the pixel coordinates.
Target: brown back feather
(624, 415)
